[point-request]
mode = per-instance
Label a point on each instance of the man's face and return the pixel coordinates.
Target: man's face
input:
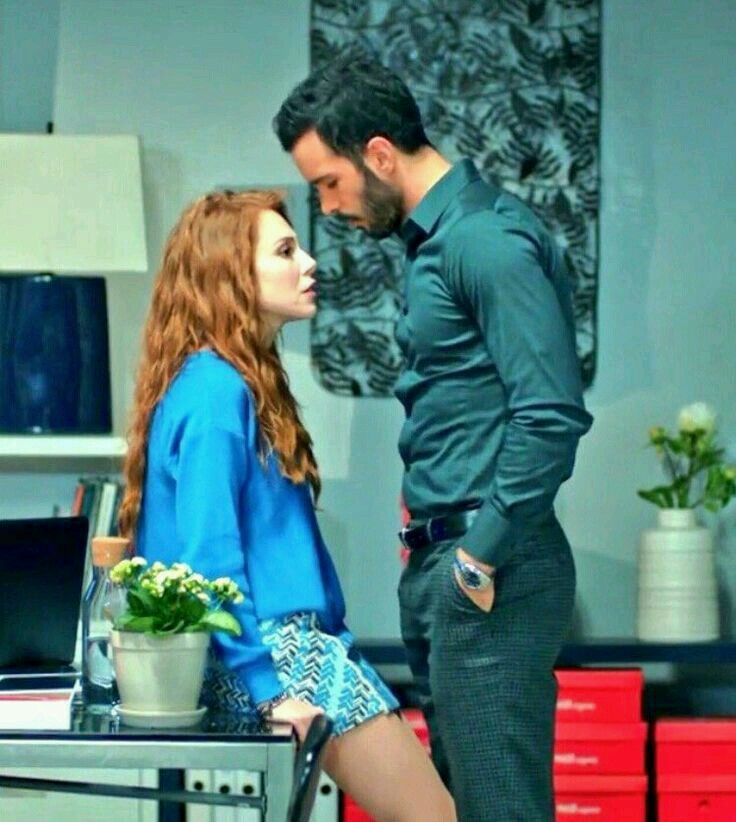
(355, 194)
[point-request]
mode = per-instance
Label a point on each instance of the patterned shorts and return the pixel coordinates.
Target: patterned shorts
(314, 666)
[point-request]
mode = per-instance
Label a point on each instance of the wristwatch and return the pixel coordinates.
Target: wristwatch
(265, 708)
(473, 578)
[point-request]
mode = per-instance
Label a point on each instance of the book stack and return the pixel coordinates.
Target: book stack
(33, 703)
(97, 498)
(600, 741)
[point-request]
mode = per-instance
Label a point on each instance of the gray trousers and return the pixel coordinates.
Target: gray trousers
(485, 680)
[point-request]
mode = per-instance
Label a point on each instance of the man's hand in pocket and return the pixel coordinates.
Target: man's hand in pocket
(482, 598)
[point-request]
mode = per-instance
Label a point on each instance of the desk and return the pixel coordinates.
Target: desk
(219, 741)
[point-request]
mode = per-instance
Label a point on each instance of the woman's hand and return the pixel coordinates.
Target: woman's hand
(297, 713)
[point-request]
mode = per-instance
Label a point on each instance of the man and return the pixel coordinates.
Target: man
(494, 411)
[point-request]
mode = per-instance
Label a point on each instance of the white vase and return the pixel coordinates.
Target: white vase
(159, 674)
(677, 597)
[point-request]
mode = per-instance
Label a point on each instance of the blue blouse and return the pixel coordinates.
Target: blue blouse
(210, 501)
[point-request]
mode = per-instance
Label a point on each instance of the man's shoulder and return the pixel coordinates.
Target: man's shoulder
(484, 227)
(489, 220)
(485, 204)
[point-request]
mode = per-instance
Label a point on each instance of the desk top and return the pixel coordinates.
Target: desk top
(219, 740)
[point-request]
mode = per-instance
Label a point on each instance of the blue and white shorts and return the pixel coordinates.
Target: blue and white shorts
(319, 668)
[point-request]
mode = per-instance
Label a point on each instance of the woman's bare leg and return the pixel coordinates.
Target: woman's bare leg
(383, 767)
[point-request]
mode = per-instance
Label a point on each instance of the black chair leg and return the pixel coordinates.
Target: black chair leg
(307, 767)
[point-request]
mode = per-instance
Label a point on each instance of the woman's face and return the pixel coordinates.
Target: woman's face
(284, 273)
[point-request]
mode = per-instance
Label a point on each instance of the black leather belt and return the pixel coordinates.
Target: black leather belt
(437, 529)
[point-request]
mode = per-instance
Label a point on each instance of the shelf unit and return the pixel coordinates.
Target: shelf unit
(49, 447)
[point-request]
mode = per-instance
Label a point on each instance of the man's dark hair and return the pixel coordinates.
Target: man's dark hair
(348, 101)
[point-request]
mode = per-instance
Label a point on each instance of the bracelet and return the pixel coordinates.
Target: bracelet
(265, 709)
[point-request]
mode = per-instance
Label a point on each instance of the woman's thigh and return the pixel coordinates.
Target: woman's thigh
(382, 765)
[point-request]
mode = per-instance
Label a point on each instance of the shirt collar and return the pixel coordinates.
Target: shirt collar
(431, 207)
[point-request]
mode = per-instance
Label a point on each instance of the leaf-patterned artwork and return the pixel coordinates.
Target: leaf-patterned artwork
(512, 84)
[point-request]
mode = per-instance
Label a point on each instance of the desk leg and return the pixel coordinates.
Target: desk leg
(170, 779)
(277, 782)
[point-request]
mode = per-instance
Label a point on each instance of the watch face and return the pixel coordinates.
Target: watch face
(471, 578)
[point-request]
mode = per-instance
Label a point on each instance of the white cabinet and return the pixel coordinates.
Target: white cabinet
(37, 806)
(326, 803)
(244, 783)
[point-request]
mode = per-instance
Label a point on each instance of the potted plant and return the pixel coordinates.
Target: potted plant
(677, 598)
(160, 641)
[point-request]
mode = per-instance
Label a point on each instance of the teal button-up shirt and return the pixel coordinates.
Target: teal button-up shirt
(491, 388)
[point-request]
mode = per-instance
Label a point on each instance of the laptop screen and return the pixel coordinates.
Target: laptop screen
(41, 571)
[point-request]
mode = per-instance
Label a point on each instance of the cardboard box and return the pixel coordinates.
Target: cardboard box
(603, 798)
(696, 746)
(683, 798)
(599, 695)
(595, 748)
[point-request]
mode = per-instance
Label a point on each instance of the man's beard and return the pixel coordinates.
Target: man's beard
(382, 206)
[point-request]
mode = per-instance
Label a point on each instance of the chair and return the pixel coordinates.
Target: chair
(307, 767)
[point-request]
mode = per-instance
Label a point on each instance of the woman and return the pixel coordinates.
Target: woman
(221, 475)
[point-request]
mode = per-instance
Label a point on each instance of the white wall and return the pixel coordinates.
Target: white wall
(28, 40)
(667, 302)
(200, 83)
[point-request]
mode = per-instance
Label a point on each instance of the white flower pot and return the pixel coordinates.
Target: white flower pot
(677, 597)
(159, 674)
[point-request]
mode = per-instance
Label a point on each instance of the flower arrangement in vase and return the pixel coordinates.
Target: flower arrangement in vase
(160, 641)
(677, 591)
(693, 462)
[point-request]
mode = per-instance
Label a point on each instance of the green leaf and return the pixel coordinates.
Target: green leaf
(141, 602)
(138, 624)
(661, 496)
(172, 627)
(718, 489)
(193, 609)
(221, 621)
(675, 445)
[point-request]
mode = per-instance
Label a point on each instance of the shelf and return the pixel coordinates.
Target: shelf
(594, 651)
(42, 445)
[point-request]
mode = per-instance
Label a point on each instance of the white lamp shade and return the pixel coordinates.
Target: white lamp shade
(71, 204)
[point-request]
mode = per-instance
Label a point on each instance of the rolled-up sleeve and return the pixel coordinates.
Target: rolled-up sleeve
(526, 322)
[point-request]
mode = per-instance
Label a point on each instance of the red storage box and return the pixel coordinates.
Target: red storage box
(354, 813)
(595, 748)
(703, 798)
(603, 798)
(415, 718)
(696, 746)
(602, 695)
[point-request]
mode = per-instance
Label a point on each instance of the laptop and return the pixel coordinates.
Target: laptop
(41, 572)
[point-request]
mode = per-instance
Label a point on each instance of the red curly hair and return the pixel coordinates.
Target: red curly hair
(205, 296)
